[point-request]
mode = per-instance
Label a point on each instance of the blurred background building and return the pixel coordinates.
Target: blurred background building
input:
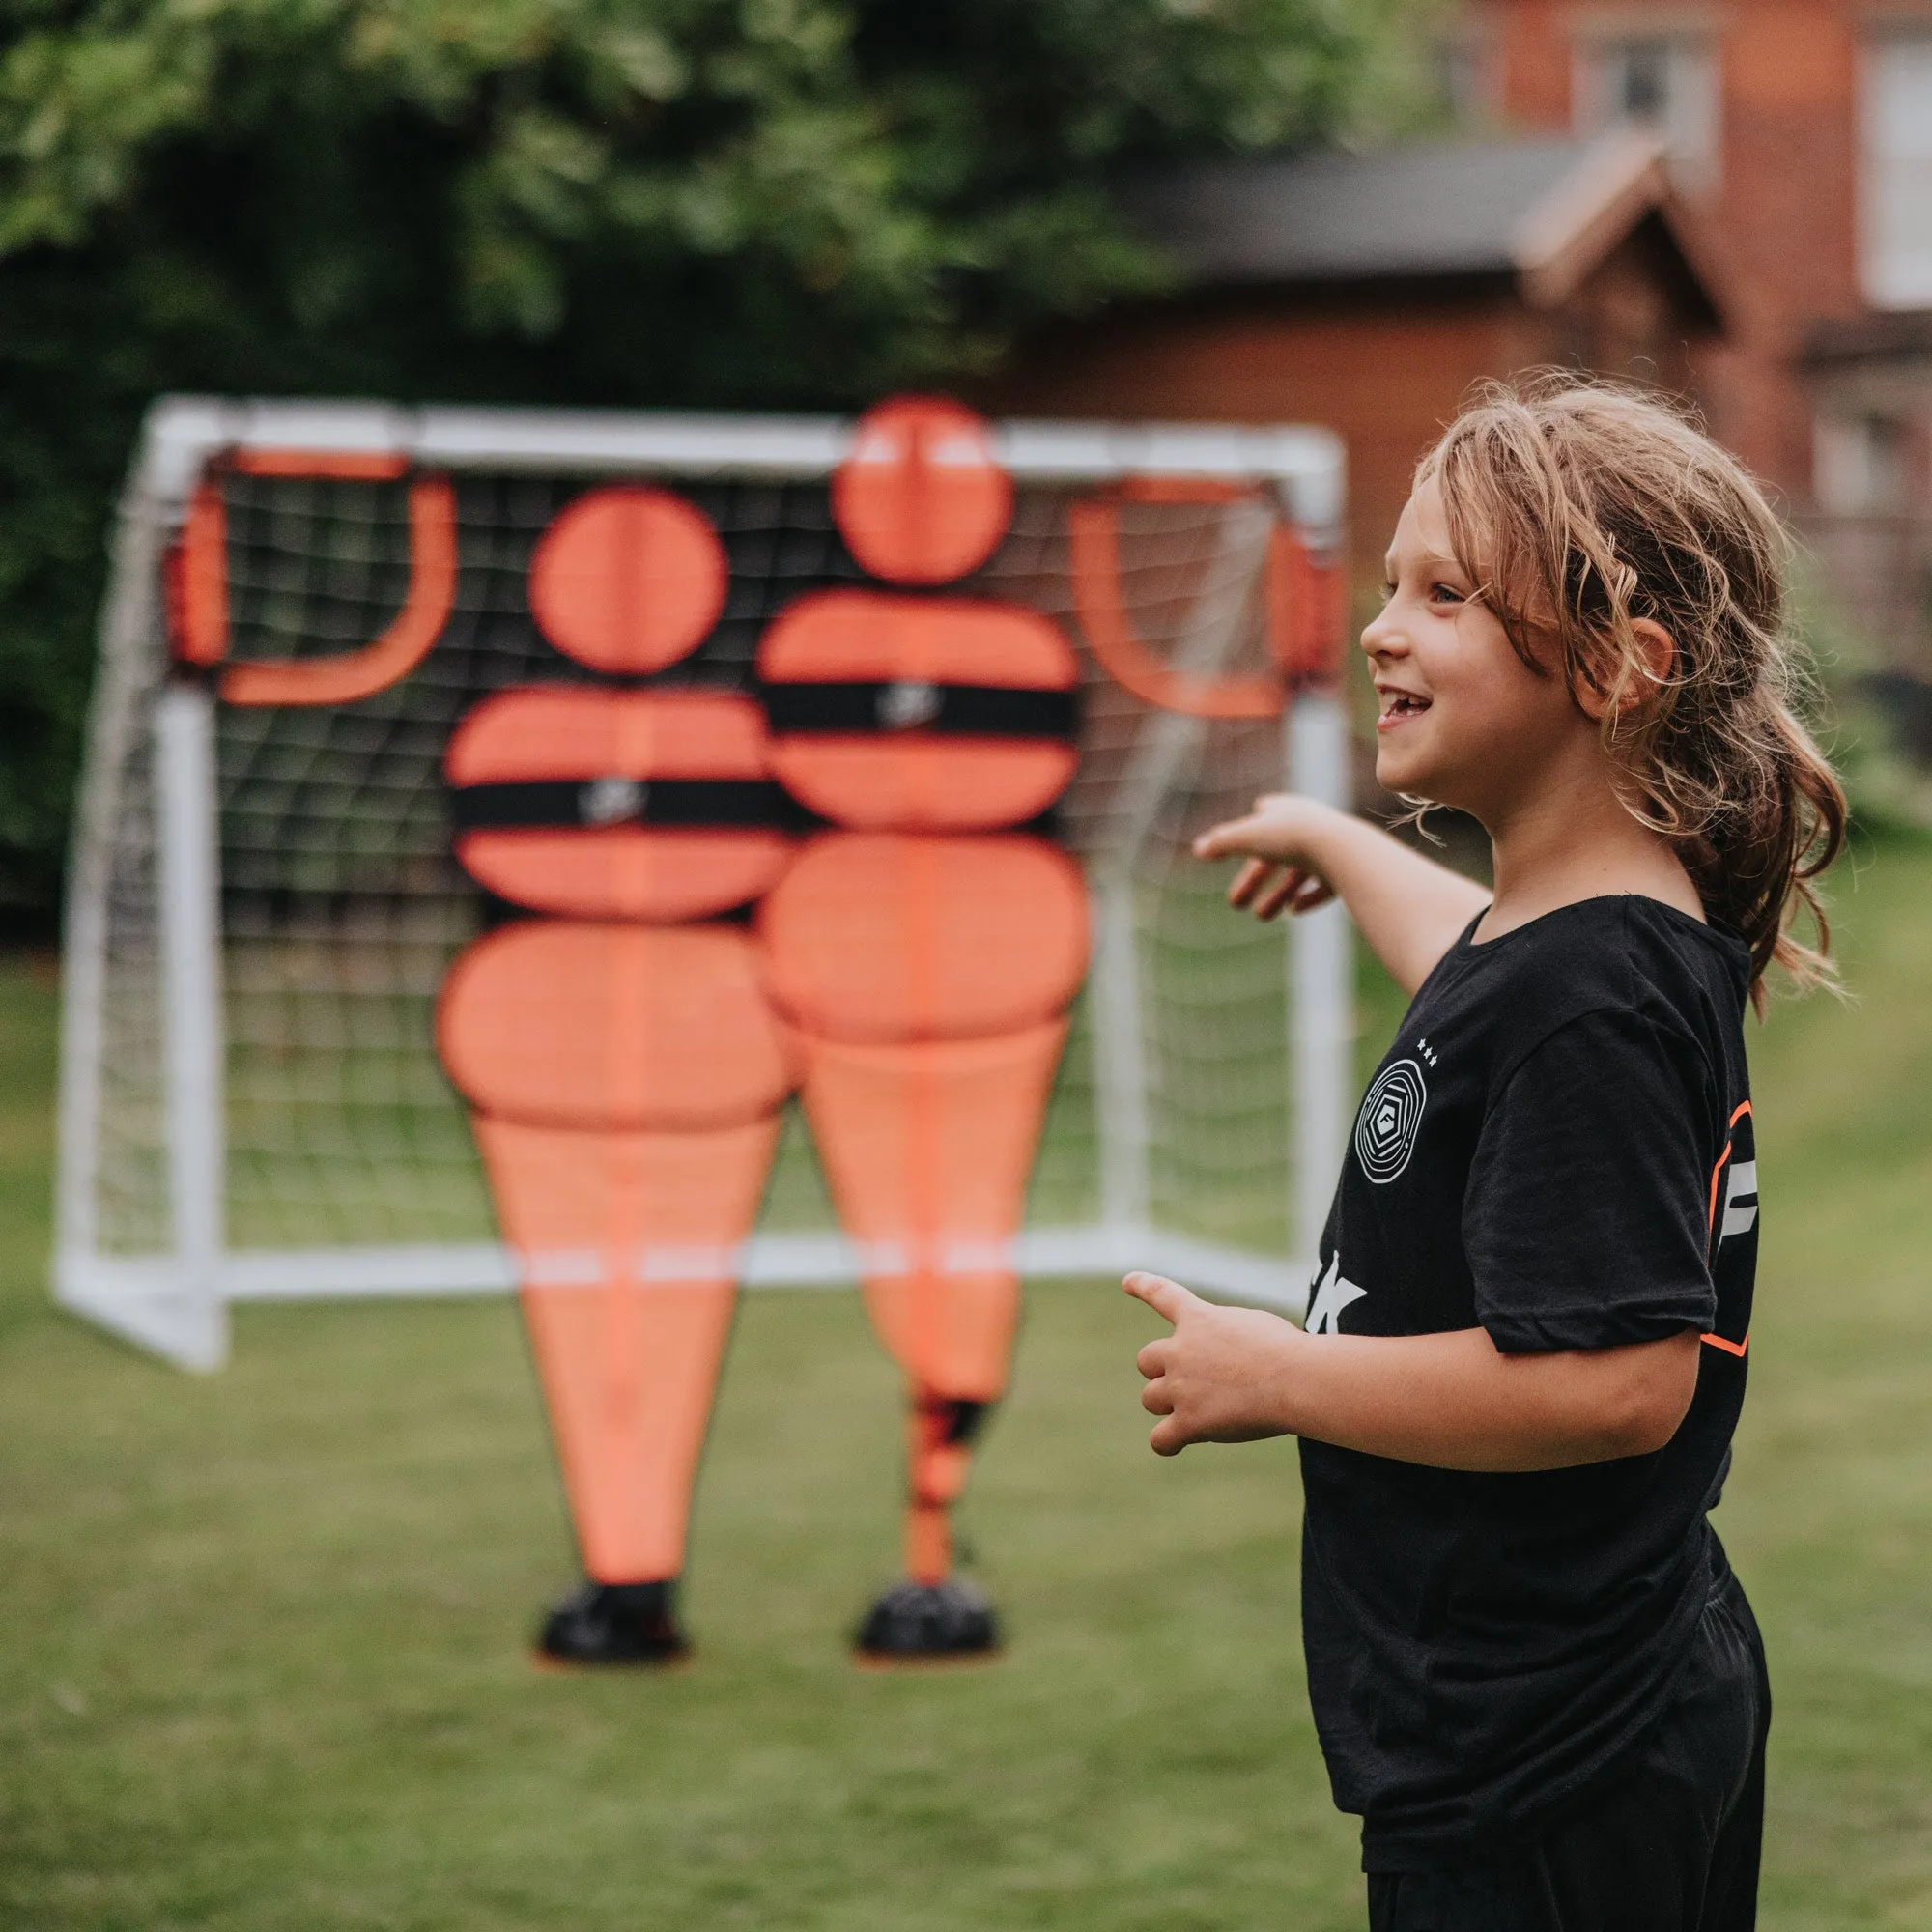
(1370, 291)
(1730, 199)
(1802, 130)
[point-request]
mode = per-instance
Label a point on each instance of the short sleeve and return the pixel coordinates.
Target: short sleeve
(1586, 1217)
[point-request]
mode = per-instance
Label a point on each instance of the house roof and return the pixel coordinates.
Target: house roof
(1543, 211)
(1899, 337)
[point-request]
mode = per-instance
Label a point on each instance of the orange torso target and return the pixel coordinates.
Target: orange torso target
(924, 712)
(645, 805)
(884, 937)
(613, 1027)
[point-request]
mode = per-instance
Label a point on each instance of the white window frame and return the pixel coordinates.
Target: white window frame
(1466, 70)
(1895, 174)
(1692, 124)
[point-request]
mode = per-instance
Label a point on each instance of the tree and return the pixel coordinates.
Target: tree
(702, 202)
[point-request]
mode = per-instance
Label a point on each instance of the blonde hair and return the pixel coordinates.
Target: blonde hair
(1581, 507)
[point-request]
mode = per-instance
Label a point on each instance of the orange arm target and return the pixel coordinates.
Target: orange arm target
(1300, 610)
(1306, 610)
(197, 589)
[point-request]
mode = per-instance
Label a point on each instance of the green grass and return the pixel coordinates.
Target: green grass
(264, 1664)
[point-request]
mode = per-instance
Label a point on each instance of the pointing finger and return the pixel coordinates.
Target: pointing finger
(1219, 840)
(1167, 1298)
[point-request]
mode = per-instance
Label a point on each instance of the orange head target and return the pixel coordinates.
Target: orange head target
(921, 499)
(628, 579)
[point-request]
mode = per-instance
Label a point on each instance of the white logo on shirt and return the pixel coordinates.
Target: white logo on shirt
(1333, 1292)
(1391, 1116)
(1740, 1200)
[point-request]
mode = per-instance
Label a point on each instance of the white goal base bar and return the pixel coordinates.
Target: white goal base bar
(148, 1300)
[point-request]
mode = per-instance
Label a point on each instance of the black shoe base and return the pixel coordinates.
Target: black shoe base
(928, 1623)
(604, 1625)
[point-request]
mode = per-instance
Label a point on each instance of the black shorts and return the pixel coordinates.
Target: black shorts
(1673, 1846)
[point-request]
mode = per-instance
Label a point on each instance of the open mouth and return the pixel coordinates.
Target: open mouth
(1400, 704)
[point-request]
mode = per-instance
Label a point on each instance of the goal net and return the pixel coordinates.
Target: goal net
(262, 901)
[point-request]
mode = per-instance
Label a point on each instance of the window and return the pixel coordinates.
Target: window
(1859, 463)
(1895, 173)
(1463, 68)
(1664, 82)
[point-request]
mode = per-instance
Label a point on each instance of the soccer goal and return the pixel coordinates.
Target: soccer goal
(262, 902)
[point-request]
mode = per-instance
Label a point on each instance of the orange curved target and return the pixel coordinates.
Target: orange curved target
(201, 608)
(627, 579)
(1092, 534)
(1307, 609)
(640, 804)
(560, 1024)
(917, 712)
(882, 936)
(921, 498)
(194, 576)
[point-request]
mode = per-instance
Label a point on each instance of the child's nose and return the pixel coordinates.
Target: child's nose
(1382, 638)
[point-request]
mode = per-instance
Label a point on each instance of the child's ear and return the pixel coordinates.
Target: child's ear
(1656, 664)
(1660, 650)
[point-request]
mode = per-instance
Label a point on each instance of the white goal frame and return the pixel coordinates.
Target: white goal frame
(175, 1302)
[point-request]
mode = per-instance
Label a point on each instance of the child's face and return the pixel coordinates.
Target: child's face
(1464, 721)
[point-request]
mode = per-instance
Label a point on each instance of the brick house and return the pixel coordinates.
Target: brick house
(1804, 130)
(1777, 266)
(1368, 292)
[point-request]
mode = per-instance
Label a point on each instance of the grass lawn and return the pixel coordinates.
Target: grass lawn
(264, 1660)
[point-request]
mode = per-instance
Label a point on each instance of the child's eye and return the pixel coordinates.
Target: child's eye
(1444, 593)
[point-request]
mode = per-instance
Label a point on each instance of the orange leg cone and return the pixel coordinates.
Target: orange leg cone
(626, 1243)
(928, 1146)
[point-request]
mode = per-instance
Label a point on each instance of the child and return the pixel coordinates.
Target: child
(1532, 1671)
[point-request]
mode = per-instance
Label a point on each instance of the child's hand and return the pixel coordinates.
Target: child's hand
(1216, 1377)
(1279, 836)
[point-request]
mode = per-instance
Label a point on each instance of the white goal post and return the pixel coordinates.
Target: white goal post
(260, 905)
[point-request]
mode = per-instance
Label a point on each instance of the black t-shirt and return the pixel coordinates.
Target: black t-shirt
(1558, 1148)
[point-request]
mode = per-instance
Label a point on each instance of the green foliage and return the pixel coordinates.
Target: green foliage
(721, 203)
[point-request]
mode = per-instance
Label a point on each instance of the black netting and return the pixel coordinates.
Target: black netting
(342, 908)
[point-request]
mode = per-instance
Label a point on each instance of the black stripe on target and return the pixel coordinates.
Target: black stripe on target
(1390, 1119)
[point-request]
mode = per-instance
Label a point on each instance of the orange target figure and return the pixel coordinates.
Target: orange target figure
(627, 1042)
(622, 1063)
(926, 948)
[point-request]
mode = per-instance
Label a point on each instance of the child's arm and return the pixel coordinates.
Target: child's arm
(1452, 1400)
(1301, 853)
